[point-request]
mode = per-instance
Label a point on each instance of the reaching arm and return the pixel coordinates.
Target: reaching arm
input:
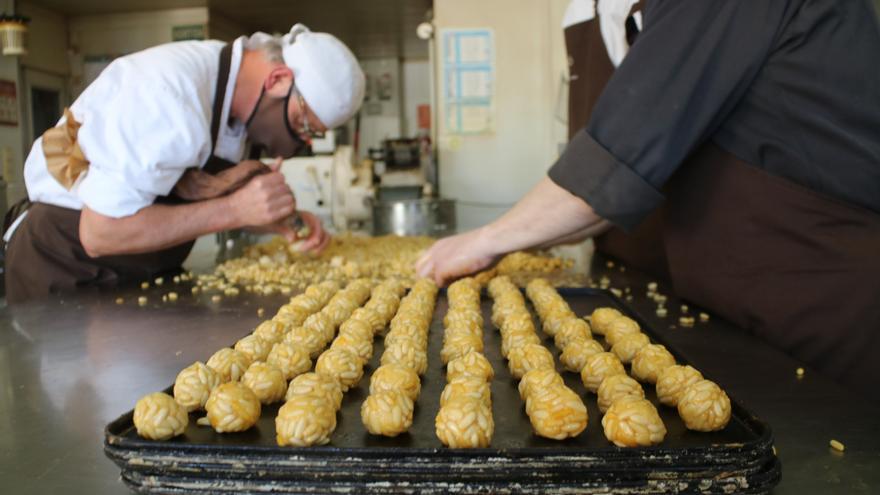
(548, 214)
(264, 200)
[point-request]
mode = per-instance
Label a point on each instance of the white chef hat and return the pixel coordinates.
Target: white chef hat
(326, 74)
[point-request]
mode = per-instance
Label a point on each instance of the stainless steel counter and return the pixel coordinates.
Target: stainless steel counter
(68, 367)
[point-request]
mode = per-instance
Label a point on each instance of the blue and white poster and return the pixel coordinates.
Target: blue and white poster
(468, 61)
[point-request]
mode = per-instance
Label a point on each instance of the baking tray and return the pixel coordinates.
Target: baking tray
(738, 459)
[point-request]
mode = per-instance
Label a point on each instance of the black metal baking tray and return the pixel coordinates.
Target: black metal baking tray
(738, 459)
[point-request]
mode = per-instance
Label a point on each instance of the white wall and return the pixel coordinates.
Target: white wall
(10, 136)
(380, 119)
(416, 91)
(120, 34)
(47, 40)
(488, 173)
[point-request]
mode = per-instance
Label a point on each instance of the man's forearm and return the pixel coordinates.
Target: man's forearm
(548, 214)
(155, 227)
(581, 235)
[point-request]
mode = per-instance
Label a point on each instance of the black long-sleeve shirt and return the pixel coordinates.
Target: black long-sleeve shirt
(790, 86)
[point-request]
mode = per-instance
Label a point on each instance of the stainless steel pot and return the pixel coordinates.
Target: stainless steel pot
(426, 216)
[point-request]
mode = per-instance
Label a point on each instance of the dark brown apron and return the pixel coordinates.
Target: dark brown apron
(590, 69)
(800, 269)
(797, 268)
(45, 255)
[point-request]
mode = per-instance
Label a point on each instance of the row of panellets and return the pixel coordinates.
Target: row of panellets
(638, 423)
(235, 406)
(158, 416)
(701, 404)
(395, 385)
(629, 419)
(554, 410)
(313, 399)
(465, 416)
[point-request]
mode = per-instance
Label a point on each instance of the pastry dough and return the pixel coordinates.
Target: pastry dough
(556, 412)
(305, 420)
(193, 386)
(459, 345)
(601, 318)
(158, 417)
(232, 407)
(315, 384)
(409, 356)
(343, 365)
(570, 330)
(307, 340)
(388, 413)
(254, 347)
(266, 381)
(537, 379)
(271, 331)
(362, 348)
(628, 345)
(704, 407)
(471, 387)
(229, 364)
(616, 386)
(465, 423)
(672, 382)
(576, 353)
(598, 367)
(472, 364)
(650, 361)
(523, 359)
(633, 422)
(291, 361)
(393, 377)
(620, 327)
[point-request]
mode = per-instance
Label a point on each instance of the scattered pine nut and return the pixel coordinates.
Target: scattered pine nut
(684, 308)
(172, 296)
(142, 301)
(836, 445)
(215, 298)
(119, 300)
(652, 286)
(661, 312)
(145, 285)
(159, 281)
(704, 317)
(800, 372)
(195, 290)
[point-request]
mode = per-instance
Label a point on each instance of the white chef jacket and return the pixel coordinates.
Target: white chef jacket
(612, 22)
(145, 120)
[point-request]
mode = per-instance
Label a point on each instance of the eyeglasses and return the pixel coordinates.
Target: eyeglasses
(303, 128)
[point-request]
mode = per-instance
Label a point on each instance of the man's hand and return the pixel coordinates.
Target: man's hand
(264, 200)
(317, 238)
(457, 256)
(526, 225)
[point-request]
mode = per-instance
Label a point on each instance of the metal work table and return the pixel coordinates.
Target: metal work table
(69, 366)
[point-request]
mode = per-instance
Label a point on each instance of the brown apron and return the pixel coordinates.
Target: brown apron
(800, 269)
(45, 255)
(590, 68)
(797, 268)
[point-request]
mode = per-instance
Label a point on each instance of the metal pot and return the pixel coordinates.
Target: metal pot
(425, 216)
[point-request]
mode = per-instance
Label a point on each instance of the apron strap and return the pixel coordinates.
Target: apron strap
(214, 163)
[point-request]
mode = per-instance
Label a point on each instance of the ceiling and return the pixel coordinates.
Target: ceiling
(371, 27)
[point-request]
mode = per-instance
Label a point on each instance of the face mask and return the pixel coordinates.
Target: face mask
(269, 126)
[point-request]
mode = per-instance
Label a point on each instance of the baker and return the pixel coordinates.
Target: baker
(151, 156)
(755, 129)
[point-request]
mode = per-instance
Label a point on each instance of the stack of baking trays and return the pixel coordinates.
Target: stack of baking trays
(506, 454)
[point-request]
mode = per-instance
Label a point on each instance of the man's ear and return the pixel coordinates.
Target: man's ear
(278, 81)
